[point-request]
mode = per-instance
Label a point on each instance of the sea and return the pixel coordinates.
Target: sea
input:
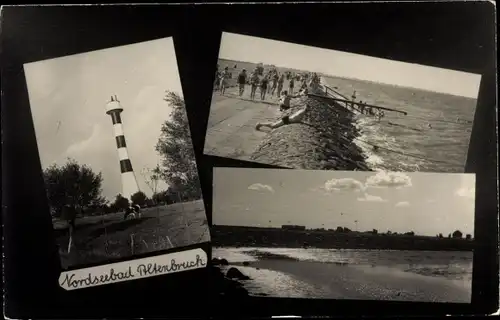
(448, 266)
(433, 137)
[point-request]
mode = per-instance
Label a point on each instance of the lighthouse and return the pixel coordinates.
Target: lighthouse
(129, 182)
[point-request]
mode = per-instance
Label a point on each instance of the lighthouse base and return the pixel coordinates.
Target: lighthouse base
(129, 184)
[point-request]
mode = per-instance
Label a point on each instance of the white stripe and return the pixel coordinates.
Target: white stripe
(122, 153)
(118, 128)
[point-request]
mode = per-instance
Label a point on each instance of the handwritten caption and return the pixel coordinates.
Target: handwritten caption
(135, 269)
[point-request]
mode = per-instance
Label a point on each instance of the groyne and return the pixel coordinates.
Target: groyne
(324, 140)
(238, 236)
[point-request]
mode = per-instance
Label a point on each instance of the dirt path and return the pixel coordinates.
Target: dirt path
(231, 126)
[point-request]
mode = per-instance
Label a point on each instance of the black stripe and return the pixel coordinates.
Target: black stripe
(125, 165)
(120, 142)
(115, 117)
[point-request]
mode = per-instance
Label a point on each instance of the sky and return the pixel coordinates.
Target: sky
(68, 97)
(426, 203)
(348, 65)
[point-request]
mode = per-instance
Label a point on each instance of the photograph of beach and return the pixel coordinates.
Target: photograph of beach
(344, 234)
(303, 107)
(107, 127)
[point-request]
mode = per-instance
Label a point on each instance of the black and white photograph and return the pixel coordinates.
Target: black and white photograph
(321, 234)
(303, 107)
(115, 148)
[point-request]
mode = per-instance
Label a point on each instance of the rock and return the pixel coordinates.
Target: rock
(219, 262)
(234, 273)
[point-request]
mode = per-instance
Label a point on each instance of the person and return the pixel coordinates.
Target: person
(223, 80)
(276, 78)
(281, 80)
(291, 84)
(380, 114)
(254, 82)
(353, 99)
(242, 80)
(286, 98)
(361, 107)
(263, 87)
(285, 120)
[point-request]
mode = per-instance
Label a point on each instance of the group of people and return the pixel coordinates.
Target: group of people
(270, 83)
(362, 108)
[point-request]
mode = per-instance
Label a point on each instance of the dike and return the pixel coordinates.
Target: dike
(323, 141)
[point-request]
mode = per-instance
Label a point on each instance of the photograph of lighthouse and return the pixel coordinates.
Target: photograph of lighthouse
(303, 107)
(116, 153)
(345, 234)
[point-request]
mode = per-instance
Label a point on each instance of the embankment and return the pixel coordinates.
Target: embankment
(323, 141)
(234, 236)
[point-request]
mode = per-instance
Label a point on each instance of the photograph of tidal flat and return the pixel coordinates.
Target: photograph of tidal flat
(426, 125)
(345, 234)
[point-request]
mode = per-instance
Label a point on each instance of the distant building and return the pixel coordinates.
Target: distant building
(292, 227)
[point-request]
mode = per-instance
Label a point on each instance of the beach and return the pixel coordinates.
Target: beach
(279, 272)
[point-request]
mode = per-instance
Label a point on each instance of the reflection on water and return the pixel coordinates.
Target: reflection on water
(277, 284)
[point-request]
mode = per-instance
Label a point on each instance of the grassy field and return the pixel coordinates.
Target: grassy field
(100, 239)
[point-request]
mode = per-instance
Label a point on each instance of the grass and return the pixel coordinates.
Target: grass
(100, 239)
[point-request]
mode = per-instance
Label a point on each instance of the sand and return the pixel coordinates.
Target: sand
(369, 283)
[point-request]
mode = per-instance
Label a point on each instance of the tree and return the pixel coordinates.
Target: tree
(468, 237)
(457, 234)
(178, 166)
(152, 177)
(139, 198)
(440, 235)
(74, 185)
(121, 203)
(375, 231)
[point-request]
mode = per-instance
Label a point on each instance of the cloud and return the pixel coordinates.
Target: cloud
(261, 187)
(371, 198)
(466, 192)
(347, 184)
(431, 201)
(402, 204)
(384, 179)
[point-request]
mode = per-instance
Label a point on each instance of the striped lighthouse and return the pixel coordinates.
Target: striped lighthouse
(129, 182)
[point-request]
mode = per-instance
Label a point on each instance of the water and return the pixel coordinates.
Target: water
(452, 265)
(354, 274)
(407, 143)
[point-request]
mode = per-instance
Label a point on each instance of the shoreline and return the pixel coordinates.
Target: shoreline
(325, 140)
(287, 277)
